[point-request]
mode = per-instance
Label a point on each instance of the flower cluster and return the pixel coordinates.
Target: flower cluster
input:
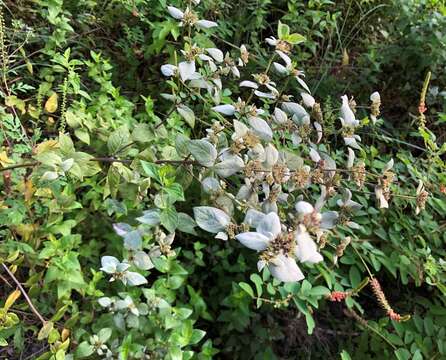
(265, 154)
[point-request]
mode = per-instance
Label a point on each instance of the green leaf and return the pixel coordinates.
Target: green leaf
(82, 135)
(151, 170)
(402, 354)
(118, 139)
(45, 330)
(175, 353)
(196, 337)
(319, 291)
(142, 133)
(283, 30)
(175, 191)
(355, 276)
(187, 114)
(257, 280)
(295, 38)
(247, 288)
(345, 355)
(169, 219)
(84, 349)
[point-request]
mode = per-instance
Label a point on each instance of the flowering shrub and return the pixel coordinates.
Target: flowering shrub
(250, 207)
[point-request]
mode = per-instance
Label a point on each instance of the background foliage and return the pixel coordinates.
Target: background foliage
(90, 69)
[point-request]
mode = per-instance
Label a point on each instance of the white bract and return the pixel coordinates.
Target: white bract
(119, 271)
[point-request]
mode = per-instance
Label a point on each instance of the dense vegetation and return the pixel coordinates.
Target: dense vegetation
(229, 179)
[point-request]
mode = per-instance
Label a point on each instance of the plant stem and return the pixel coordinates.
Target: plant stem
(28, 300)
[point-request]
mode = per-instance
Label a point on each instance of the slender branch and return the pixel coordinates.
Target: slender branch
(28, 300)
(16, 166)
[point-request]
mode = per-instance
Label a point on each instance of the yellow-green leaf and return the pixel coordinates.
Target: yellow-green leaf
(51, 103)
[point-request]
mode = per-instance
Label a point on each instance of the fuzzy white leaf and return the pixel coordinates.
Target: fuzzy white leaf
(328, 219)
(226, 109)
(280, 116)
(253, 218)
(203, 151)
(304, 208)
(249, 84)
(175, 13)
(261, 128)
(168, 70)
(109, 264)
(303, 84)
(135, 279)
(270, 226)
(186, 69)
(211, 219)
(150, 217)
(229, 166)
(206, 24)
(308, 100)
(142, 261)
(285, 269)
(295, 110)
(210, 185)
(306, 250)
(253, 240)
(187, 114)
(217, 54)
(347, 114)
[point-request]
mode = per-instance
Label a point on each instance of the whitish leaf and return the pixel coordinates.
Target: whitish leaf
(217, 54)
(49, 176)
(211, 219)
(168, 70)
(206, 24)
(253, 218)
(285, 269)
(308, 99)
(328, 220)
(270, 225)
(109, 264)
(295, 109)
(253, 240)
(303, 84)
(187, 69)
(261, 128)
(249, 84)
(203, 151)
(175, 13)
(306, 250)
(133, 240)
(135, 278)
(229, 166)
(210, 185)
(187, 114)
(227, 109)
(280, 116)
(142, 260)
